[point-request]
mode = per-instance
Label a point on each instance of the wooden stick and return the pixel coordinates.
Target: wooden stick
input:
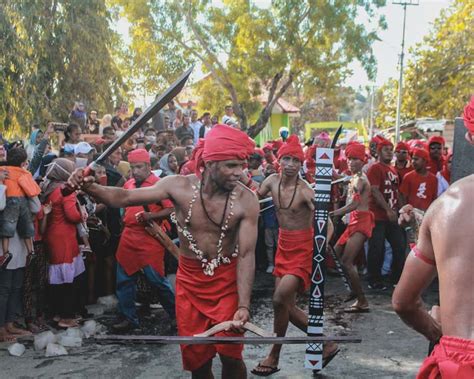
(163, 238)
(188, 340)
(226, 325)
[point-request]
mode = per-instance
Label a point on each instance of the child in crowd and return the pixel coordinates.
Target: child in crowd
(16, 216)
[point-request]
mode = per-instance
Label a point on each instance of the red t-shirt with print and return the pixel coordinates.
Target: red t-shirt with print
(420, 190)
(385, 177)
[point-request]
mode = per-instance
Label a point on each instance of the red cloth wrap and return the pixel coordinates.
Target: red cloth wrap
(452, 358)
(201, 302)
(138, 155)
(294, 255)
(402, 146)
(355, 150)
(223, 143)
(359, 221)
(436, 139)
(383, 142)
(469, 116)
(292, 148)
(421, 153)
(277, 145)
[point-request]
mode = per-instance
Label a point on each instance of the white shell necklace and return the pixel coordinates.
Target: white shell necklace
(208, 266)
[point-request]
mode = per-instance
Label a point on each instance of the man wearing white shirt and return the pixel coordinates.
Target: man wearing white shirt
(206, 125)
(195, 125)
(228, 118)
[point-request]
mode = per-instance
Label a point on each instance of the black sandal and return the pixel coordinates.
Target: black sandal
(5, 260)
(273, 370)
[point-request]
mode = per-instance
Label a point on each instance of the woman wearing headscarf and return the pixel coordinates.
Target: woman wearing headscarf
(65, 262)
(169, 165)
(33, 142)
(41, 148)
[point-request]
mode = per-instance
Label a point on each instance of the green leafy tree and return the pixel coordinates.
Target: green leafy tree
(439, 75)
(56, 52)
(249, 50)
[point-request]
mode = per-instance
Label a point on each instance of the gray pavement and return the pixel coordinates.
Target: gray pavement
(388, 349)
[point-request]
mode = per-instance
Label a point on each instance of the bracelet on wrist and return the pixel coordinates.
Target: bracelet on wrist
(245, 307)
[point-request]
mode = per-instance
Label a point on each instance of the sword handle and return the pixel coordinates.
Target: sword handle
(66, 189)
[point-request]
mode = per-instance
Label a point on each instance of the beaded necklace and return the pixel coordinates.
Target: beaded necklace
(208, 266)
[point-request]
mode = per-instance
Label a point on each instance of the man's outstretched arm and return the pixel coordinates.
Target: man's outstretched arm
(121, 198)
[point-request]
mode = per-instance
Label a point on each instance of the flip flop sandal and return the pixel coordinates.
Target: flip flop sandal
(330, 357)
(356, 309)
(5, 259)
(350, 297)
(272, 370)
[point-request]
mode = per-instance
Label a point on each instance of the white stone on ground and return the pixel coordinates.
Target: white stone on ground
(43, 339)
(17, 349)
(54, 350)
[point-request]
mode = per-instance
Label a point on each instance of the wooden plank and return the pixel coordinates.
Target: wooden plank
(172, 340)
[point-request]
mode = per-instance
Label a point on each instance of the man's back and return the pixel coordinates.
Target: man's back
(448, 234)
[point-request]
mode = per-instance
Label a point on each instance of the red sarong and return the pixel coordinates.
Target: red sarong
(201, 302)
(294, 255)
(360, 221)
(452, 358)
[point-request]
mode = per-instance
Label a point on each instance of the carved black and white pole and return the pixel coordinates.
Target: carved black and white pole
(324, 167)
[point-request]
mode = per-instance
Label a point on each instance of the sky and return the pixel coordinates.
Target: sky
(387, 51)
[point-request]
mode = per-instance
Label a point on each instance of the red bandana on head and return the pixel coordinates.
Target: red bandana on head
(402, 146)
(138, 155)
(355, 150)
(383, 142)
(224, 143)
(421, 153)
(436, 139)
(292, 148)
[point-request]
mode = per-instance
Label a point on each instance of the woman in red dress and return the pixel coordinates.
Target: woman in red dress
(65, 262)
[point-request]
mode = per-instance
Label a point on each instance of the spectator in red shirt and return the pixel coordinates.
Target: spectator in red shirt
(436, 162)
(384, 204)
(420, 187)
(402, 164)
(138, 250)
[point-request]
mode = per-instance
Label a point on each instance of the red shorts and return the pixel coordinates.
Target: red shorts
(204, 301)
(361, 222)
(452, 358)
(294, 255)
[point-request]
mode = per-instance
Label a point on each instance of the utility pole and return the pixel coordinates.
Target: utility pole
(404, 3)
(371, 114)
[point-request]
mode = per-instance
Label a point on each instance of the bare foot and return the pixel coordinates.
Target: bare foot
(6, 337)
(12, 329)
(67, 323)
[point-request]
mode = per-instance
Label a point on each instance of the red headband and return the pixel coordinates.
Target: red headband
(292, 148)
(421, 153)
(383, 142)
(355, 150)
(436, 139)
(138, 155)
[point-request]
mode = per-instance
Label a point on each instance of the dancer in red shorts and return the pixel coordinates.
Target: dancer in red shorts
(361, 223)
(293, 199)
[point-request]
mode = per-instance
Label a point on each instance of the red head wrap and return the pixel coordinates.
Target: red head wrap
(402, 146)
(469, 116)
(355, 150)
(223, 143)
(383, 142)
(277, 144)
(376, 139)
(436, 139)
(292, 148)
(268, 146)
(421, 153)
(138, 155)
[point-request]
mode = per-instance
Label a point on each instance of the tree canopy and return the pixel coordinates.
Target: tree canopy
(55, 52)
(439, 75)
(250, 51)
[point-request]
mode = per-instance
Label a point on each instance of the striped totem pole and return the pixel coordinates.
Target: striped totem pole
(324, 168)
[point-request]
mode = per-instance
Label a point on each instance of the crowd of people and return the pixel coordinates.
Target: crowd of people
(184, 176)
